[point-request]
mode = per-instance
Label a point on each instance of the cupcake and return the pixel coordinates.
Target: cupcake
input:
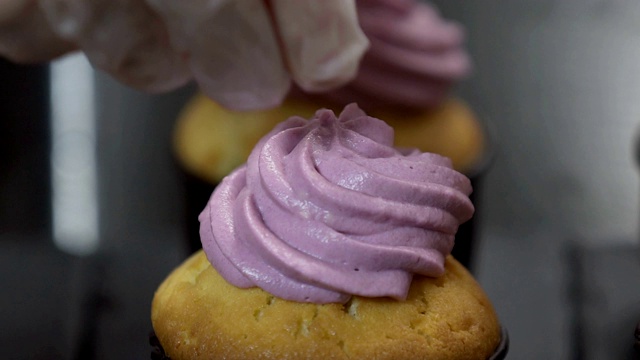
(405, 77)
(330, 243)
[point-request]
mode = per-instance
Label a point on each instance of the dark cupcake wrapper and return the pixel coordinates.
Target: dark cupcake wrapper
(197, 193)
(157, 353)
(503, 347)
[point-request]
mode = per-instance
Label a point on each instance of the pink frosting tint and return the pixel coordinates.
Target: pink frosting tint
(414, 58)
(327, 208)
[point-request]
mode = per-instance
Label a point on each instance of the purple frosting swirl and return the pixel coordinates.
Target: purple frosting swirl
(327, 208)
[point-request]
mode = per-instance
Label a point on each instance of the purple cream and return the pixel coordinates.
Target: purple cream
(327, 208)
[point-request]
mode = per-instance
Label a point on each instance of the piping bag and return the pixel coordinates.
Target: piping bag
(244, 54)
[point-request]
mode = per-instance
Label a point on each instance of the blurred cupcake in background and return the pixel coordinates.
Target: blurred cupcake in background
(405, 78)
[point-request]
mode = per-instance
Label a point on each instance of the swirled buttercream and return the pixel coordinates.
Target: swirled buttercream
(327, 208)
(414, 57)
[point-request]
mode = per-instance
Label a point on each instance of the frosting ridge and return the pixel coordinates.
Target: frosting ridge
(327, 208)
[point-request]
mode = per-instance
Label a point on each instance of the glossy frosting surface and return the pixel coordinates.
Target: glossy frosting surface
(327, 208)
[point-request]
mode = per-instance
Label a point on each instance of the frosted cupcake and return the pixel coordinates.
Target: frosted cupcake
(330, 243)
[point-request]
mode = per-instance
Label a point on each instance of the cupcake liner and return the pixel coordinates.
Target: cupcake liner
(157, 352)
(503, 347)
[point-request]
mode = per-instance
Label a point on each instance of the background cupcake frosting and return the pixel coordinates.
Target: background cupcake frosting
(414, 58)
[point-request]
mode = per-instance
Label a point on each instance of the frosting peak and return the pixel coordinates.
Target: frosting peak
(327, 208)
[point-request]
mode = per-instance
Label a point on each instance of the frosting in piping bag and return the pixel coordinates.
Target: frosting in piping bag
(327, 208)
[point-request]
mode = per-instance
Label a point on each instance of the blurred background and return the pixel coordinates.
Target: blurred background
(92, 203)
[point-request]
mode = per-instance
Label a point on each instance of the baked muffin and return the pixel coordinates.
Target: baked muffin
(198, 315)
(329, 243)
